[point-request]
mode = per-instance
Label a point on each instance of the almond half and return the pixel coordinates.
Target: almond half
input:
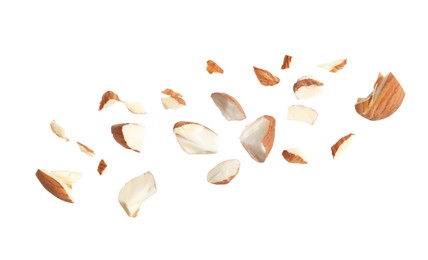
(58, 183)
(302, 114)
(265, 77)
(58, 130)
(212, 67)
(258, 137)
(307, 87)
(385, 99)
(229, 106)
(135, 192)
(173, 100)
(334, 66)
(195, 138)
(129, 135)
(224, 172)
(286, 62)
(341, 145)
(294, 156)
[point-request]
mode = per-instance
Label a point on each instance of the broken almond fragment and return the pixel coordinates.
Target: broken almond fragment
(84, 149)
(384, 100)
(307, 87)
(102, 167)
(224, 172)
(286, 63)
(58, 130)
(334, 66)
(212, 67)
(229, 106)
(195, 138)
(302, 114)
(340, 146)
(258, 136)
(294, 156)
(135, 192)
(265, 77)
(109, 98)
(135, 107)
(58, 183)
(173, 100)
(129, 135)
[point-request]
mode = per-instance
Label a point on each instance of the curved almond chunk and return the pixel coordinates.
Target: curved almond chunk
(307, 87)
(84, 149)
(58, 183)
(265, 77)
(173, 100)
(334, 66)
(129, 135)
(341, 145)
(258, 137)
(195, 138)
(58, 130)
(294, 156)
(229, 106)
(224, 172)
(102, 165)
(135, 192)
(108, 99)
(302, 114)
(212, 67)
(286, 62)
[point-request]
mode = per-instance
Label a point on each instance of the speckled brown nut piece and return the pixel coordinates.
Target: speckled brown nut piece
(265, 77)
(212, 67)
(286, 62)
(102, 165)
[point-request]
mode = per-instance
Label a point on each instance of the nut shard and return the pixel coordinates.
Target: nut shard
(102, 165)
(302, 114)
(228, 106)
(265, 77)
(224, 172)
(307, 87)
(195, 138)
(58, 183)
(172, 100)
(341, 145)
(286, 62)
(212, 67)
(86, 150)
(129, 135)
(58, 130)
(334, 66)
(294, 156)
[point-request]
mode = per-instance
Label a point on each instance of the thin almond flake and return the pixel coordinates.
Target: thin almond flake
(58, 130)
(286, 63)
(212, 67)
(229, 106)
(224, 172)
(102, 167)
(265, 77)
(294, 156)
(334, 66)
(341, 145)
(173, 100)
(84, 149)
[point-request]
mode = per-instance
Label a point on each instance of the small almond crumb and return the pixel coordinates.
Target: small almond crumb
(212, 67)
(286, 63)
(84, 149)
(265, 77)
(102, 167)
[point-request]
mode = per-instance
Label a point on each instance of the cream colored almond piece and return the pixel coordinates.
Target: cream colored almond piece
(86, 150)
(229, 106)
(172, 100)
(224, 172)
(58, 183)
(294, 155)
(302, 114)
(58, 130)
(195, 138)
(385, 99)
(129, 135)
(135, 192)
(102, 165)
(258, 137)
(212, 67)
(286, 62)
(340, 146)
(108, 99)
(334, 66)
(135, 107)
(307, 87)
(265, 77)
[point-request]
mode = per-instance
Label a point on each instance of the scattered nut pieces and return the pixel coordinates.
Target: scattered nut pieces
(302, 114)
(135, 192)
(294, 156)
(258, 137)
(173, 100)
(307, 87)
(340, 146)
(102, 165)
(58, 183)
(84, 149)
(286, 63)
(212, 67)
(265, 77)
(58, 130)
(229, 106)
(129, 135)
(224, 172)
(195, 138)
(385, 99)
(334, 66)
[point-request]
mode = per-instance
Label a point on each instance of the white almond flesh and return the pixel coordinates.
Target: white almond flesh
(224, 172)
(258, 137)
(307, 87)
(334, 66)
(340, 146)
(129, 135)
(86, 150)
(135, 107)
(172, 100)
(195, 138)
(58, 130)
(229, 106)
(294, 155)
(135, 192)
(108, 99)
(302, 114)
(58, 183)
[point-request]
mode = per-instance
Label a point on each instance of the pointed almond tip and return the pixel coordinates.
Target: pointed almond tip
(85, 149)
(102, 165)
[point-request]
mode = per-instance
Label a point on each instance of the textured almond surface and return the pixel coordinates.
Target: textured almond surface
(307, 87)
(58, 183)
(102, 165)
(84, 149)
(265, 77)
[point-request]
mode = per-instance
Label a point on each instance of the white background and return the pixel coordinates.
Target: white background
(57, 58)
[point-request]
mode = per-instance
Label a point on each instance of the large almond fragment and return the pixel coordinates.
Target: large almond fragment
(229, 106)
(58, 183)
(212, 67)
(265, 77)
(195, 138)
(302, 114)
(334, 66)
(307, 87)
(108, 99)
(258, 136)
(135, 192)
(102, 165)
(86, 150)
(224, 172)
(129, 135)
(294, 156)
(286, 63)
(385, 99)
(341, 145)
(173, 100)
(58, 130)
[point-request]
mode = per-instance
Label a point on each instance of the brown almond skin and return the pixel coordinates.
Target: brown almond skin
(53, 186)
(293, 158)
(212, 67)
(101, 166)
(339, 66)
(286, 63)
(306, 82)
(109, 95)
(175, 95)
(270, 135)
(116, 130)
(87, 149)
(225, 181)
(336, 146)
(265, 77)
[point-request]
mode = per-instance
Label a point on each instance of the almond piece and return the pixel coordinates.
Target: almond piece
(229, 106)
(84, 149)
(173, 100)
(294, 156)
(302, 114)
(224, 172)
(212, 67)
(286, 63)
(135, 107)
(265, 77)
(108, 99)
(129, 135)
(340, 146)
(334, 66)
(195, 138)
(135, 192)
(385, 99)
(307, 87)
(102, 165)
(58, 183)
(258, 136)
(58, 130)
